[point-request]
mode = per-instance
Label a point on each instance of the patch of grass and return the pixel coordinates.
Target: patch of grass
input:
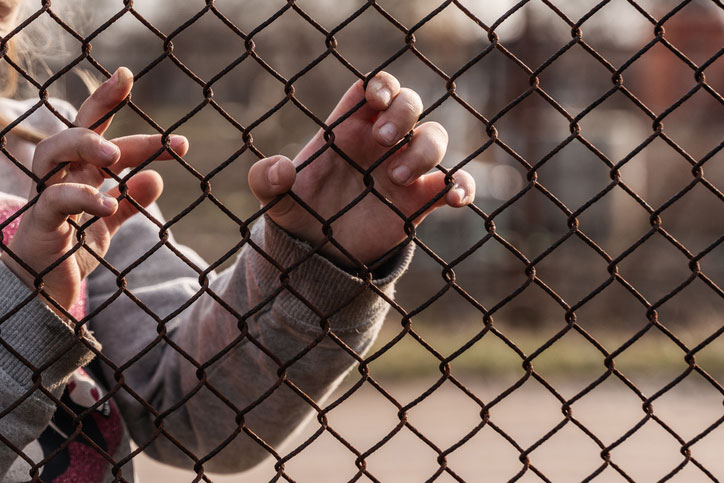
(570, 355)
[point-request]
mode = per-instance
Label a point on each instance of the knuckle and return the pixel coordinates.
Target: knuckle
(41, 153)
(88, 143)
(411, 101)
(74, 140)
(432, 139)
(53, 194)
(412, 109)
(45, 148)
(382, 79)
(437, 132)
(79, 131)
(43, 144)
(93, 176)
(66, 198)
(425, 157)
(86, 190)
(66, 191)
(433, 156)
(88, 136)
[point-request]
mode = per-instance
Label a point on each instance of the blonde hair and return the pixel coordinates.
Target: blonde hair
(9, 88)
(23, 50)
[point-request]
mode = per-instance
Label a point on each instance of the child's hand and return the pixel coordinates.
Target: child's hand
(370, 229)
(44, 235)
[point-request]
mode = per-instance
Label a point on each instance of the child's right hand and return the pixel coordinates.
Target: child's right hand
(368, 123)
(44, 236)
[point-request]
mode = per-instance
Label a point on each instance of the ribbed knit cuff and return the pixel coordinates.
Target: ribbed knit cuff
(348, 302)
(37, 334)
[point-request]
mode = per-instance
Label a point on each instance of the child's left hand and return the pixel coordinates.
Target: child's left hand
(44, 236)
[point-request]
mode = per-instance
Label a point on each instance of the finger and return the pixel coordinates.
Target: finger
(424, 151)
(462, 192)
(381, 89)
(104, 99)
(79, 173)
(398, 119)
(270, 178)
(141, 147)
(60, 201)
(145, 188)
(74, 145)
(429, 186)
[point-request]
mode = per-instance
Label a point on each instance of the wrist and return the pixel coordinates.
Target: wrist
(379, 268)
(17, 270)
(29, 281)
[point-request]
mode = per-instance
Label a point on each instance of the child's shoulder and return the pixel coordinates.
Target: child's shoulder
(48, 117)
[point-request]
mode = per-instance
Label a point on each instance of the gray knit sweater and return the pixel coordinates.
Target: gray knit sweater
(190, 330)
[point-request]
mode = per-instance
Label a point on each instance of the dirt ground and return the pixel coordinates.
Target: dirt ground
(526, 415)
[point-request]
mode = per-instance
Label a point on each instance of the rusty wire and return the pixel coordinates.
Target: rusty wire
(488, 328)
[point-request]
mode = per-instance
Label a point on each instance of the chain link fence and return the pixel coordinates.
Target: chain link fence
(591, 258)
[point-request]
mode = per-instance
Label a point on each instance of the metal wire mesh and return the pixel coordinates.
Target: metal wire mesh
(577, 215)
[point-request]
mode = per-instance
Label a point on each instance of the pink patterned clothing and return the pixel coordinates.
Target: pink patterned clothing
(79, 461)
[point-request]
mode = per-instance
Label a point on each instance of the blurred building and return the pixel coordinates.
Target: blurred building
(616, 129)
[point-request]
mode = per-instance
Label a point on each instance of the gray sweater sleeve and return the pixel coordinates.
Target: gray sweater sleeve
(225, 358)
(34, 339)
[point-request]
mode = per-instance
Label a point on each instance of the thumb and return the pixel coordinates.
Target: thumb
(270, 178)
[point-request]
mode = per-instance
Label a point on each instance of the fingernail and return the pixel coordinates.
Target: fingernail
(460, 192)
(177, 142)
(109, 150)
(115, 80)
(388, 132)
(109, 201)
(401, 174)
(385, 95)
(272, 174)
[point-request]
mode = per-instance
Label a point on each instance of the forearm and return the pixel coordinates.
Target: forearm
(281, 356)
(34, 338)
(259, 327)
